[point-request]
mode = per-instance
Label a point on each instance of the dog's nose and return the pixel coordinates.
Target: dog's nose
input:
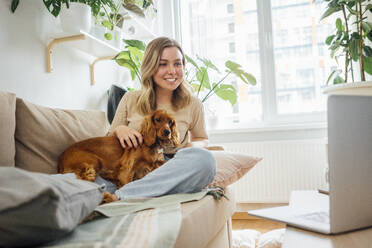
(166, 132)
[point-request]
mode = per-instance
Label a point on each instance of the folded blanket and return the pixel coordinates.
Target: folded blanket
(157, 226)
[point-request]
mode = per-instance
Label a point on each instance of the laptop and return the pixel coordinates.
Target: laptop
(348, 206)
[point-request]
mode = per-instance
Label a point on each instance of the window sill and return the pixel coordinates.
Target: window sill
(305, 131)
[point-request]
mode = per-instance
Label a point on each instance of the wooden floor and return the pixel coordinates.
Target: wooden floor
(260, 225)
(241, 220)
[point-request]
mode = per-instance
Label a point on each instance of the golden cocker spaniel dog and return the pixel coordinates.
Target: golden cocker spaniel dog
(105, 156)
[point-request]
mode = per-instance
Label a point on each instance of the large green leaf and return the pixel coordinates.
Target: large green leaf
(208, 63)
(329, 39)
(243, 75)
(191, 61)
(330, 11)
(352, 11)
(339, 24)
(367, 51)
(368, 7)
(136, 55)
(369, 36)
(368, 65)
(135, 43)
(354, 49)
(196, 87)
(226, 92)
(123, 55)
(132, 7)
(54, 6)
(14, 5)
(128, 64)
(232, 65)
(203, 77)
(367, 27)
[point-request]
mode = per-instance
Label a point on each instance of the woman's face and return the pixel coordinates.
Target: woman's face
(169, 74)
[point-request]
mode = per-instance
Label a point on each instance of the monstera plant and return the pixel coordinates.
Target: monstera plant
(350, 38)
(198, 75)
(197, 72)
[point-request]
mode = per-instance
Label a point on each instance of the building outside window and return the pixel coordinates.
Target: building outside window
(287, 56)
(232, 47)
(231, 27)
(230, 8)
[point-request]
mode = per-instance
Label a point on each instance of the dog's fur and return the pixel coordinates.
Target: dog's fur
(105, 156)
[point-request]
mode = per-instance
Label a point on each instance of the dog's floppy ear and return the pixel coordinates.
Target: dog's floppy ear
(148, 130)
(174, 134)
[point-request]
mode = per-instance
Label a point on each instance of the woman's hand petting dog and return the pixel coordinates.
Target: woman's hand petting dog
(107, 157)
(128, 136)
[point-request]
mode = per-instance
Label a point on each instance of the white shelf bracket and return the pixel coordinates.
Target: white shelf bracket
(56, 41)
(92, 80)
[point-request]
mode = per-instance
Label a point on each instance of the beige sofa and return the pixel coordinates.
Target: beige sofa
(32, 137)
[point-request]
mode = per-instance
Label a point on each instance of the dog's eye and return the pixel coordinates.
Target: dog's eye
(170, 123)
(158, 119)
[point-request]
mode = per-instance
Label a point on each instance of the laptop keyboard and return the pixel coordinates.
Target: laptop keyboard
(322, 217)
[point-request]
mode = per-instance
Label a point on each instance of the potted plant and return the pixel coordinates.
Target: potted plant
(197, 74)
(108, 13)
(112, 15)
(349, 44)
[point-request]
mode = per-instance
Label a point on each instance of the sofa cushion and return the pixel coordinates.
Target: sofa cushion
(36, 208)
(43, 133)
(231, 167)
(7, 127)
(203, 219)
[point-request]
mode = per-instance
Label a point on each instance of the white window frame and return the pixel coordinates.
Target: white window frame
(170, 15)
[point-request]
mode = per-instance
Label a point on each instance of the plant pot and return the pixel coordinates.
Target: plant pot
(359, 88)
(75, 18)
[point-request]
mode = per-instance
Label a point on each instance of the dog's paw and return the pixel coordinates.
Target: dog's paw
(107, 198)
(90, 174)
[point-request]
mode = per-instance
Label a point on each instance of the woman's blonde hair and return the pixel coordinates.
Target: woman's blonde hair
(147, 99)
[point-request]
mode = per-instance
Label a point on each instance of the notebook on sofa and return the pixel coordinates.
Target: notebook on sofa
(348, 206)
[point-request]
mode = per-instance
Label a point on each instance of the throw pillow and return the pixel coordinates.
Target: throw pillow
(7, 127)
(231, 167)
(43, 133)
(115, 95)
(36, 208)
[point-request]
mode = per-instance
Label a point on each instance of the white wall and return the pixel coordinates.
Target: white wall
(23, 39)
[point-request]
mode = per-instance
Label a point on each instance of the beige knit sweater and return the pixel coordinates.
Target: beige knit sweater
(190, 120)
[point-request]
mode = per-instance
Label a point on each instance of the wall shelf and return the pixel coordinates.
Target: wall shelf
(87, 43)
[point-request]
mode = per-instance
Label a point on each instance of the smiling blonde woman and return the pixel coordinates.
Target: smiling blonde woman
(189, 167)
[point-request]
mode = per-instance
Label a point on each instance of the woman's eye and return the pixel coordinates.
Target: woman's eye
(178, 64)
(162, 64)
(158, 119)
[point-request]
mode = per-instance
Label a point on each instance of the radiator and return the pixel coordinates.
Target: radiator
(286, 166)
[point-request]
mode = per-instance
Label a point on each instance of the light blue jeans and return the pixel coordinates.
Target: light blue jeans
(189, 171)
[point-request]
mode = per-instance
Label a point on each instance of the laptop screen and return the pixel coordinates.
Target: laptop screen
(350, 161)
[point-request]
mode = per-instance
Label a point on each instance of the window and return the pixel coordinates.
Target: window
(230, 8)
(231, 27)
(232, 47)
(280, 42)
